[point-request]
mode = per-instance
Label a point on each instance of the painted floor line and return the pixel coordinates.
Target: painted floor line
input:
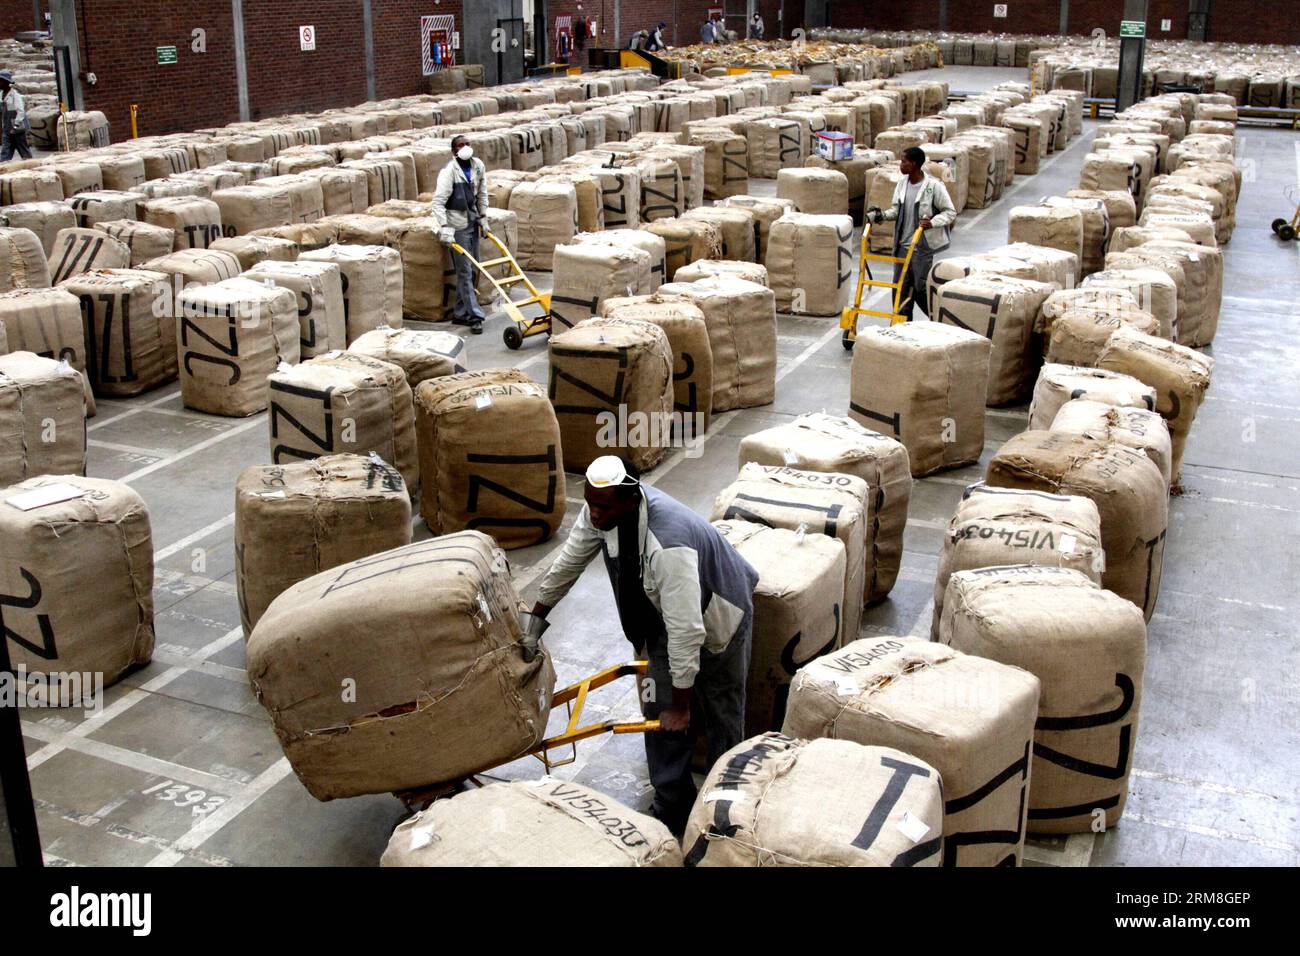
(192, 450)
(163, 554)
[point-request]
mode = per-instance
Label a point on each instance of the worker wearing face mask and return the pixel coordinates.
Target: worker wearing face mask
(460, 206)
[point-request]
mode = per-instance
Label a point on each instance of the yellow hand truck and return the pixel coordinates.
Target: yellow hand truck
(573, 697)
(849, 317)
(519, 327)
(1285, 229)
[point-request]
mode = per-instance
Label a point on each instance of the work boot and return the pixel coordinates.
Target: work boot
(476, 326)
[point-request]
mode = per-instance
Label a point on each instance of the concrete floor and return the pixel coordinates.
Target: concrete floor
(1215, 769)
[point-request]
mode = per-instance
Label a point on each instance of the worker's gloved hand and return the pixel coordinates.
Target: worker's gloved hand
(675, 720)
(875, 215)
(447, 235)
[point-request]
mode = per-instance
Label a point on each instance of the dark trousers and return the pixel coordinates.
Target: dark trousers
(15, 142)
(467, 307)
(717, 710)
(918, 271)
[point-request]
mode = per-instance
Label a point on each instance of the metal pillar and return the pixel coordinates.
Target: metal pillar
(1132, 51)
(943, 15)
(368, 23)
(241, 59)
(67, 48)
(1065, 18)
(1198, 19)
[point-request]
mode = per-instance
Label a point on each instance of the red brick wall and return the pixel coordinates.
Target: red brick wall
(16, 17)
(397, 43)
(282, 78)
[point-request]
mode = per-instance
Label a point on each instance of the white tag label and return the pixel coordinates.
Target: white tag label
(790, 457)
(282, 367)
(46, 495)
(1067, 543)
(1194, 256)
(912, 828)
(271, 494)
(800, 533)
(483, 401)
(421, 836)
(483, 606)
(732, 796)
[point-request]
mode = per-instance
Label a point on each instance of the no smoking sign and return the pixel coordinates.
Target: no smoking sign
(307, 38)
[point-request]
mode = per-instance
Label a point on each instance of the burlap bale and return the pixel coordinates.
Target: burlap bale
(1058, 384)
(899, 140)
(798, 610)
(447, 614)
(1126, 238)
(1087, 646)
(1120, 208)
(767, 210)
(611, 383)
(836, 505)
(372, 285)
(741, 320)
(42, 418)
(586, 190)
(1078, 334)
(1096, 230)
(1192, 276)
(233, 334)
(690, 163)
(246, 209)
(917, 697)
(824, 443)
(344, 191)
(195, 222)
(641, 239)
(1050, 265)
(997, 527)
(685, 326)
(1005, 311)
(685, 240)
(525, 149)
(1179, 375)
(30, 185)
(815, 191)
(130, 341)
(297, 519)
(1128, 489)
(1155, 291)
(663, 192)
(318, 287)
(422, 355)
(81, 571)
(1204, 269)
(923, 383)
(804, 252)
(726, 161)
(23, 264)
(79, 177)
(490, 456)
(84, 250)
(344, 402)
(1028, 147)
(983, 183)
(712, 268)
(46, 219)
(775, 801)
(251, 250)
(545, 822)
(587, 274)
(385, 178)
(121, 172)
(620, 192)
(880, 195)
(1048, 225)
(774, 144)
(548, 216)
(1136, 427)
(145, 241)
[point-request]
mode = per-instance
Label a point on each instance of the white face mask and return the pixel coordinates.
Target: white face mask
(465, 153)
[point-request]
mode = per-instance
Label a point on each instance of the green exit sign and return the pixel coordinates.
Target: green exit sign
(166, 54)
(1132, 28)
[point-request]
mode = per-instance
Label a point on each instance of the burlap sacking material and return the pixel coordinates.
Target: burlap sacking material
(798, 610)
(130, 347)
(1087, 647)
(29, 185)
(41, 399)
(1078, 334)
(714, 268)
(47, 322)
(804, 253)
(344, 191)
(923, 383)
(233, 335)
(546, 822)
(421, 355)
(1028, 143)
(490, 457)
(836, 505)
(246, 209)
(1204, 267)
(738, 227)
(855, 171)
(995, 527)
(84, 250)
(587, 274)
(776, 801)
(685, 240)
(352, 505)
(447, 616)
(72, 620)
(195, 222)
(1050, 265)
(1005, 311)
(372, 285)
(741, 321)
(825, 443)
(611, 383)
(1130, 493)
(189, 267)
(1058, 384)
(1154, 290)
(344, 402)
(46, 219)
(1136, 427)
(642, 239)
(663, 193)
(23, 264)
(1121, 211)
(774, 144)
(1096, 230)
(548, 216)
(586, 190)
(767, 210)
(726, 161)
(319, 290)
(880, 195)
(1094, 297)
(915, 696)
(690, 162)
(1189, 296)
(1046, 225)
(1179, 375)
(145, 241)
(688, 337)
(821, 192)
(251, 250)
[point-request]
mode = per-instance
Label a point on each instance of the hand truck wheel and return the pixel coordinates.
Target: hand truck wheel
(1286, 232)
(512, 336)
(847, 340)
(1278, 224)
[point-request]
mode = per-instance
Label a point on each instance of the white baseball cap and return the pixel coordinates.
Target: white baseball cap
(608, 471)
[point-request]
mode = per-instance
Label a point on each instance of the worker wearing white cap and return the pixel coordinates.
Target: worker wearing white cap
(685, 601)
(13, 121)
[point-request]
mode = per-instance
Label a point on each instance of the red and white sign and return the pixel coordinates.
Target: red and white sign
(438, 42)
(307, 38)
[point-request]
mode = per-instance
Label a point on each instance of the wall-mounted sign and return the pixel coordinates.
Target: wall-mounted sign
(307, 38)
(166, 54)
(1166, 25)
(1000, 10)
(437, 34)
(1132, 28)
